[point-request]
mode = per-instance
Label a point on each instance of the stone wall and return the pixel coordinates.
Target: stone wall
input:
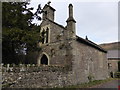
(88, 62)
(84, 63)
(56, 53)
(56, 48)
(36, 77)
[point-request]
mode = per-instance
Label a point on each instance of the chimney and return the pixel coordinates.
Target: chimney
(71, 23)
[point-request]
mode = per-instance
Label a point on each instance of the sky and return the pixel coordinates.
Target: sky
(98, 19)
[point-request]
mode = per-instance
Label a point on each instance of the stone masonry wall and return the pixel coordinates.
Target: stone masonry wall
(56, 49)
(88, 62)
(36, 77)
(84, 62)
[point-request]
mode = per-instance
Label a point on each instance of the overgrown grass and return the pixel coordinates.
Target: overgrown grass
(90, 84)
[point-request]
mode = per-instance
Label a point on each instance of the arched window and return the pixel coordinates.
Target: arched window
(45, 35)
(44, 60)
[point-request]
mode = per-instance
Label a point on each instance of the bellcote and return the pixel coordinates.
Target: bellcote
(48, 12)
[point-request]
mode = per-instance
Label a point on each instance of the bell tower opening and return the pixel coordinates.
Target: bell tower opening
(44, 60)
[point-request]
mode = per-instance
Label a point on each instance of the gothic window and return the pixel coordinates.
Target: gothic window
(45, 36)
(44, 60)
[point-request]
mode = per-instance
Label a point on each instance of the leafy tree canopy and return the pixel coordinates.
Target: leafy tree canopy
(19, 34)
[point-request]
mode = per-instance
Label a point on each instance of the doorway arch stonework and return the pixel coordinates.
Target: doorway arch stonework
(43, 59)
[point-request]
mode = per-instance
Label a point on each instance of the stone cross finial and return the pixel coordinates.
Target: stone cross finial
(86, 38)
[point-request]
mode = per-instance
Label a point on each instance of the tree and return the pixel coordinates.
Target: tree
(20, 36)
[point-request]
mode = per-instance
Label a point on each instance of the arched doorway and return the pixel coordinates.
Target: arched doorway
(44, 60)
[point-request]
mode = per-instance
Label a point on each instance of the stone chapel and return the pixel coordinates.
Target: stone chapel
(62, 47)
(64, 58)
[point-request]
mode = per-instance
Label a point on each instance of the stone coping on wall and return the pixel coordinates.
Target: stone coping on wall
(33, 68)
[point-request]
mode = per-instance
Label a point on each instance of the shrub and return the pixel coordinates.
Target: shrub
(90, 78)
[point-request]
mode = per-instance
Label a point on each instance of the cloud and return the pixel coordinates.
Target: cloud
(97, 20)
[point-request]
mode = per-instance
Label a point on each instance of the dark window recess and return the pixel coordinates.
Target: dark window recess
(44, 60)
(47, 33)
(43, 35)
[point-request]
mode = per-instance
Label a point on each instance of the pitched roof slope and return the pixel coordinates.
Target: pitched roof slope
(90, 43)
(111, 46)
(113, 50)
